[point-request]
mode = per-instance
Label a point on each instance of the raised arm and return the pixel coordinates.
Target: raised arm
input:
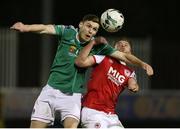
(38, 28)
(84, 60)
(129, 58)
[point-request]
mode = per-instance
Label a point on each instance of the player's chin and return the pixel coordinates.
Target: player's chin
(86, 38)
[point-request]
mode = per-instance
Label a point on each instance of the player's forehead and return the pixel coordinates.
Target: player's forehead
(124, 42)
(92, 23)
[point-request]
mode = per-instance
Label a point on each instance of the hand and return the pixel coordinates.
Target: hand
(134, 89)
(18, 26)
(100, 40)
(148, 68)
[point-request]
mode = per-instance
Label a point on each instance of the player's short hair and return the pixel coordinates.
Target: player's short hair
(124, 39)
(91, 17)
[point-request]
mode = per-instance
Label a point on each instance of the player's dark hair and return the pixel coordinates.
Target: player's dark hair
(91, 17)
(124, 39)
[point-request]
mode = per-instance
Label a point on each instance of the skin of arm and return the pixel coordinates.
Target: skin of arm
(129, 58)
(37, 28)
(84, 60)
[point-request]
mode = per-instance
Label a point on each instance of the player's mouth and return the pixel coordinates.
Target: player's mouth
(87, 37)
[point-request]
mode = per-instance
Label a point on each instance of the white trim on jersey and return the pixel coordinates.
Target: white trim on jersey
(98, 58)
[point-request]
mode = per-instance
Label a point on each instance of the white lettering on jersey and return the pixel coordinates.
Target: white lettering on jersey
(115, 76)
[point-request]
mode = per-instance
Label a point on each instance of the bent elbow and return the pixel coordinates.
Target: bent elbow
(79, 63)
(134, 88)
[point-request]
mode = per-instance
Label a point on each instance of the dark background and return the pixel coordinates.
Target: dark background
(156, 19)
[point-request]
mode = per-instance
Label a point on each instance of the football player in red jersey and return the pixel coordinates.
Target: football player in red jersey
(108, 79)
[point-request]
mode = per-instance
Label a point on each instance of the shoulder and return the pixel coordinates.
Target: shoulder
(61, 29)
(103, 49)
(65, 27)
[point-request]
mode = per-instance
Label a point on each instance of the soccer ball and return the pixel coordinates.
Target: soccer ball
(112, 20)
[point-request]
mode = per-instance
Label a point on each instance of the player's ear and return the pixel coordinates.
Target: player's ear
(80, 24)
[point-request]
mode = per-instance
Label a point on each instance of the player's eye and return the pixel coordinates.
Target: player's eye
(95, 29)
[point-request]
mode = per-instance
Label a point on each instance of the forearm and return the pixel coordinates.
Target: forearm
(134, 60)
(84, 53)
(131, 59)
(38, 28)
(128, 58)
(143, 65)
(34, 28)
(124, 57)
(83, 59)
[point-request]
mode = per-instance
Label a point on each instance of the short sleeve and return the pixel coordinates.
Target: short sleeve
(59, 29)
(98, 58)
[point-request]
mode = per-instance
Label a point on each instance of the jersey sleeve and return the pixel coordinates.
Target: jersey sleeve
(59, 29)
(65, 30)
(65, 33)
(103, 49)
(98, 58)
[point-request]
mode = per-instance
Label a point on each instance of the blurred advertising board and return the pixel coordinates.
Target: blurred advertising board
(149, 106)
(18, 103)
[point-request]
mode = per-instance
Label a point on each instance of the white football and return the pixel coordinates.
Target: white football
(112, 20)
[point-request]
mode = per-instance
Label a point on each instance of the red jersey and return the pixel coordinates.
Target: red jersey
(108, 79)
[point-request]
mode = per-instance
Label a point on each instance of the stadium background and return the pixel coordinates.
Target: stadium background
(25, 58)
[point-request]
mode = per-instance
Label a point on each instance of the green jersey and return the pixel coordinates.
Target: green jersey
(64, 75)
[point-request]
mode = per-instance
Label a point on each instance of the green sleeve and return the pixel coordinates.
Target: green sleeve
(103, 49)
(59, 29)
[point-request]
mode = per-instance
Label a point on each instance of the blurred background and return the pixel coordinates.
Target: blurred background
(26, 58)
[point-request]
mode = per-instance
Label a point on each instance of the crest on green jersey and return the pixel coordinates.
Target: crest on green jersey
(73, 50)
